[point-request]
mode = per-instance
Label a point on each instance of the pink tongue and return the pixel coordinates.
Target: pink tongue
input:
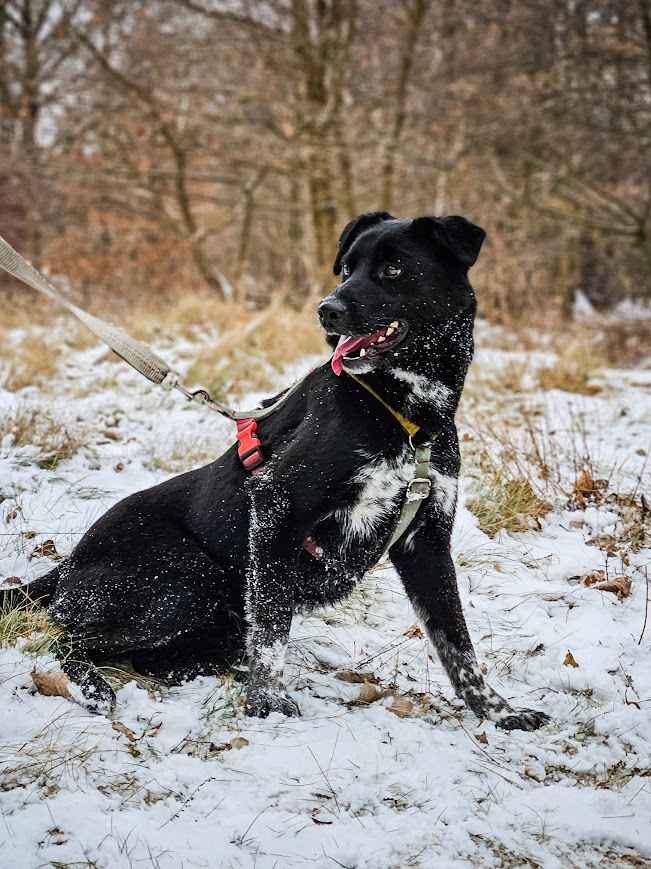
(344, 347)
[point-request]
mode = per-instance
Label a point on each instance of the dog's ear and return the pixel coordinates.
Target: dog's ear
(353, 228)
(459, 236)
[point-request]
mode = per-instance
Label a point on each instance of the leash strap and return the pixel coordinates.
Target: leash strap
(134, 352)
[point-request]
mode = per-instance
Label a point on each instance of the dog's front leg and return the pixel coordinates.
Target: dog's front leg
(427, 572)
(269, 600)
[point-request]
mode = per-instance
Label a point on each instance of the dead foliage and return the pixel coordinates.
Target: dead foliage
(32, 361)
(576, 366)
(54, 683)
(51, 438)
(618, 585)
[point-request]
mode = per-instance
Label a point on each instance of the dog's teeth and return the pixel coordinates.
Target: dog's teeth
(394, 325)
(390, 330)
(362, 352)
(381, 339)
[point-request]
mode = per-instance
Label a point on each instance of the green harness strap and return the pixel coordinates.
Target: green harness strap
(420, 484)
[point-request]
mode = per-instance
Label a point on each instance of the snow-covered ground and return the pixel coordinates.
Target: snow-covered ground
(395, 773)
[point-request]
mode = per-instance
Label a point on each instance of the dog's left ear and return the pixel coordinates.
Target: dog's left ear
(459, 236)
(354, 228)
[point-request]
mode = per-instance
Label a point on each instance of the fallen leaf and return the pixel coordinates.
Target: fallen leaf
(368, 693)
(53, 684)
(569, 660)
(124, 730)
(118, 467)
(413, 631)
(28, 535)
(584, 483)
(592, 578)
(619, 585)
(46, 549)
(12, 580)
(402, 707)
(239, 742)
(356, 678)
(481, 737)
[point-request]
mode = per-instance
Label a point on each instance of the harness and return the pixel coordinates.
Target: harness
(249, 449)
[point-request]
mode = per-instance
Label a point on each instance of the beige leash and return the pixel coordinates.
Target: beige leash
(134, 352)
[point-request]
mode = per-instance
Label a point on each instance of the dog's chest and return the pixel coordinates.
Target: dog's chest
(378, 489)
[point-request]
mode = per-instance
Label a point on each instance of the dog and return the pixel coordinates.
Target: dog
(206, 569)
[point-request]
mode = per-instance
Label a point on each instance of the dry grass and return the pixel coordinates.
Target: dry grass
(248, 357)
(504, 500)
(53, 439)
(33, 361)
(23, 619)
(573, 371)
(180, 456)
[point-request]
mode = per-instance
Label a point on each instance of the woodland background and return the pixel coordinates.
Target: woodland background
(149, 149)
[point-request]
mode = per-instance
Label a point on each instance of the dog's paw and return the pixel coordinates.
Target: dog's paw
(89, 688)
(260, 702)
(523, 719)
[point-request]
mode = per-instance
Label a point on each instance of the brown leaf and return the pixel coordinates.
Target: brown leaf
(124, 730)
(368, 693)
(584, 484)
(12, 580)
(52, 684)
(592, 578)
(402, 707)
(46, 549)
(356, 678)
(569, 660)
(118, 467)
(239, 742)
(481, 737)
(619, 585)
(413, 631)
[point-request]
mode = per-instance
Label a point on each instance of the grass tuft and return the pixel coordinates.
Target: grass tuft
(574, 370)
(33, 361)
(505, 502)
(54, 440)
(21, 618)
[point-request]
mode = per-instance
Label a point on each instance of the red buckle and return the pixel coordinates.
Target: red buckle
(249, 449)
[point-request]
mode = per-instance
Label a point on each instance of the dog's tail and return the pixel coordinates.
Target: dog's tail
(39, 591)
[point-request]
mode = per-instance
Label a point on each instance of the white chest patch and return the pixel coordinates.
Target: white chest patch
(424, 391)
(382, 484)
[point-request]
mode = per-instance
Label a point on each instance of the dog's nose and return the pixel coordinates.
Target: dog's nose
(331, 312)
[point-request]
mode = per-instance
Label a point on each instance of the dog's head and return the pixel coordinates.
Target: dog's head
(400, 278)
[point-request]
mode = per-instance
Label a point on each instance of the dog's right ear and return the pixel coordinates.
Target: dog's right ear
(353, 228)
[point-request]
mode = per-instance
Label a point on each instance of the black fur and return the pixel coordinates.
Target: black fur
(208, 567)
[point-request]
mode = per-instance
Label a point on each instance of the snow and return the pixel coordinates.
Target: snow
(346, 784)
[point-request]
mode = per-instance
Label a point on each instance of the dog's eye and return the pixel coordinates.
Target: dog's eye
(345, 271)
(391, 271)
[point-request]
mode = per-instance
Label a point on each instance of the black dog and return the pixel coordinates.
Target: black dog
(195, 573)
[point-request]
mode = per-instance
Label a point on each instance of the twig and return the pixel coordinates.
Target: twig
(326, 779)
(646, 604)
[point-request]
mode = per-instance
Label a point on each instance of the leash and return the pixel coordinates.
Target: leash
(135, 353)
(156, 370)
